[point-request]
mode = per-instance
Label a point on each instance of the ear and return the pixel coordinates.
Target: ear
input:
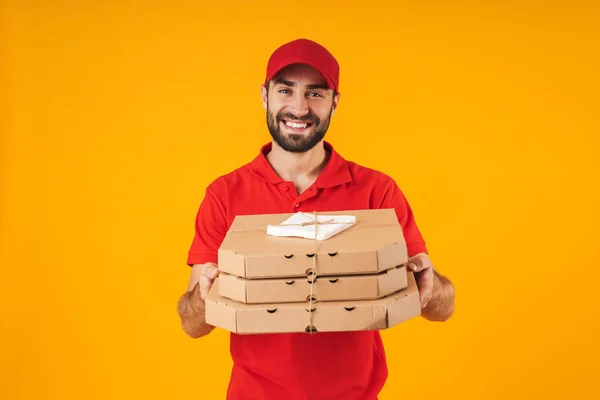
(336, 101)
(263, 95)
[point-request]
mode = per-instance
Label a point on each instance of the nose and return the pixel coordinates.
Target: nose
(299, 105)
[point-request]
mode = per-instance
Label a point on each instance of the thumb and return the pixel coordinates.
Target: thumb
(213, 272)
(418, 262)
(413, 267)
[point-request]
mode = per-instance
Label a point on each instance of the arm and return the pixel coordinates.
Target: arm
(210, 229)
(191, 304)
(440, 306)
(436, 291)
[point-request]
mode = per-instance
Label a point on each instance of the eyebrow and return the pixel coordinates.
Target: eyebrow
(318, 86)
(293, 84)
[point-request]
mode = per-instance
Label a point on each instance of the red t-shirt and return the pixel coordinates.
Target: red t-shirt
(299, 366)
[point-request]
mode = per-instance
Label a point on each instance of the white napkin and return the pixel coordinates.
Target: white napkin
(324, 231)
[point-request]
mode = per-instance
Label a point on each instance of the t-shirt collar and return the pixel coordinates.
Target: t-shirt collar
(334, 173)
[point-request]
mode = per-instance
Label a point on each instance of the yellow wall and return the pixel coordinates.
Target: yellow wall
(116, 115)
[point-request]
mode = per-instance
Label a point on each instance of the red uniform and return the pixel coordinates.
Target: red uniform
(327, 365)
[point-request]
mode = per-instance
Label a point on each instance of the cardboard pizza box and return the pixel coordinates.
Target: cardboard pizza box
(313, 317)
(373, 244)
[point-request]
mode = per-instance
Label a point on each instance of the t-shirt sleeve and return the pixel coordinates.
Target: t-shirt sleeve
(210, 229)
(394, 198)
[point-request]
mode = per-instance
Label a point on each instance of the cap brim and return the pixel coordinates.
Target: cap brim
(301, 61)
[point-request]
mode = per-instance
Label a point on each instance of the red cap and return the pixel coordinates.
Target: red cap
(304, 51)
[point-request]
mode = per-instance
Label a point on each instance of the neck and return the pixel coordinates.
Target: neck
(300, 168)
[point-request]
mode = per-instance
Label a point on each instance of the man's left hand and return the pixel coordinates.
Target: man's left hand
(422, 266)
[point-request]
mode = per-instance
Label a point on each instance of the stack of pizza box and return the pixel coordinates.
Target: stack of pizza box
(313, 272)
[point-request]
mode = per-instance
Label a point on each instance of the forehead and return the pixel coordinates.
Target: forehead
(302, 74)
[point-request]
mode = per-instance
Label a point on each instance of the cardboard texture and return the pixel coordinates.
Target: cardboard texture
(329, 288)
(336, 316)
(374, 244)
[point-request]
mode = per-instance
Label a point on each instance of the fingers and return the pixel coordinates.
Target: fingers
(209, 273)
(422, 267)
(425, 284)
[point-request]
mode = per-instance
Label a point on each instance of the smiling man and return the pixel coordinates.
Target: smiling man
(305, 123)
(299, 171)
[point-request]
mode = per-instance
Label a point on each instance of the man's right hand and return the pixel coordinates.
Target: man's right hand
(191, 304)
(208, 273)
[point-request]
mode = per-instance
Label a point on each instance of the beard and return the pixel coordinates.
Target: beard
(294, 142)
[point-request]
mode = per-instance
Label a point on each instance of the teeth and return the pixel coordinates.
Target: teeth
(295, 125)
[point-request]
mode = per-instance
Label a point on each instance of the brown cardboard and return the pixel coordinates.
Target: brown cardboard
(326, 316)
(324, 288)
(374, 244)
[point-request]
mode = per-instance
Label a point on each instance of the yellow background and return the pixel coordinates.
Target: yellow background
(116, 115)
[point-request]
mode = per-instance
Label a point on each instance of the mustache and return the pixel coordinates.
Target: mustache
(310, 117)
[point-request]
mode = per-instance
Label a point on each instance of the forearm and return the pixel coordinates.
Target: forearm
(191, 312)
(441, 305)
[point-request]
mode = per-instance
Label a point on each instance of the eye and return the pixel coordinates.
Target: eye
(315, 94)
(284, 91)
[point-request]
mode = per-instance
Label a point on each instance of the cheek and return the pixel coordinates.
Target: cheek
(322, 113)
(275, 106)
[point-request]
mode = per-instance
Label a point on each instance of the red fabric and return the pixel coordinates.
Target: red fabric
(304, 51)
(339, 365)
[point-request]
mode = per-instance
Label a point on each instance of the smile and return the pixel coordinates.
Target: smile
(296, 125)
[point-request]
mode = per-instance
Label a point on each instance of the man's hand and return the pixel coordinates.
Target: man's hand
(191, 305)
(208, 273)
(435, 291)
(422, 266)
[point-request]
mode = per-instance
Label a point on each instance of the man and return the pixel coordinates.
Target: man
(299, 171)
